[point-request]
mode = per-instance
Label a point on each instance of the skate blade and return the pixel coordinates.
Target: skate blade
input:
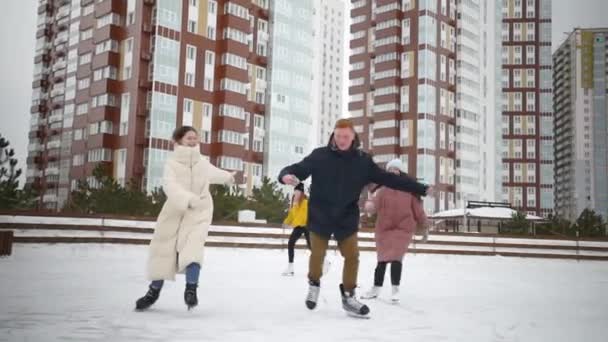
(369, 297)
(354, 315)
(287, 274)
(395, 301)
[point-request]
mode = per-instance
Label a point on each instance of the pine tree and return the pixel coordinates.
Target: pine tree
(517, 225)
(11, 197)
(227, 201)
(269, 202)
(589, 224)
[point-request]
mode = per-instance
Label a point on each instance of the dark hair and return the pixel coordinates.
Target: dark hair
(179, 132)
(299, 187)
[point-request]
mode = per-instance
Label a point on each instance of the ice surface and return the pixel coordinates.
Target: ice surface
(87, 292)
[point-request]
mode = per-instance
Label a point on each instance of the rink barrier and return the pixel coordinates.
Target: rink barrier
(113, 230)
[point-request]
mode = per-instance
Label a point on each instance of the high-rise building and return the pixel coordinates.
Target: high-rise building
(329, 67)
(527, 105)
(113, 78)
(478, 94)
(402, 87)
(491, 107)
(289, 106)
(581, 123)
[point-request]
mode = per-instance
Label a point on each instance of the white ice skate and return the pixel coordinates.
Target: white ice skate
(372, 293)
(289, 271)
(395, 294)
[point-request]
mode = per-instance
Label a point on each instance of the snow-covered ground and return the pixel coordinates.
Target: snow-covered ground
(87, 292)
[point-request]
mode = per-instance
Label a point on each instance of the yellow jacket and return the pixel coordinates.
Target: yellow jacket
(298, 215)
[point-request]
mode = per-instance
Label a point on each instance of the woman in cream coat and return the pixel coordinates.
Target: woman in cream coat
(183, 223)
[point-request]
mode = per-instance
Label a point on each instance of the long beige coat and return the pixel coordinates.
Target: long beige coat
(183, 223)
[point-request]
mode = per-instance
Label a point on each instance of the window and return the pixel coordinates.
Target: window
(103, 100)
(258, 121)
(190, 52)
(211, 32)
(230, 137)
(232, 85)
(212, 7)
(84, 59)
(100, 154)
(234, 60)
(530, 36)
(101, 127)
(207, 110)
(86, 34)
(82, 109)
(83, 83)
(87, 10)
(108, 19)
(208, 84)
(78, 160)
(80, 134)
(192, 26)
(125, 104)
(530, 78)
(189, 79)
(258, 145)
(236, 35)
(105, 46)
(209, 57)
(231, 163)
(530, 57)
(107, 72)
(206, 137)
(232, 111)
(236, 10)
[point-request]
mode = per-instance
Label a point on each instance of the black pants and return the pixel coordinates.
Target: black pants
(396, 269)
(296, 233)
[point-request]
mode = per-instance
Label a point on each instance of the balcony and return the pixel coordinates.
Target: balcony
(53, 144)
(59, 65)
(42, 107)
(45, 31)
(45, 8)
(57, 92)
(41, 83)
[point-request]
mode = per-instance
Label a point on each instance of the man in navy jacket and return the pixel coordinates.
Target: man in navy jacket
(339, 172)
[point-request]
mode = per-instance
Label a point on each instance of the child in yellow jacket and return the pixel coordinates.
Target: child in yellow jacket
(296, 219)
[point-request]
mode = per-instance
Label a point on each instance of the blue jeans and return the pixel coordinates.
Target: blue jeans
(192, 273)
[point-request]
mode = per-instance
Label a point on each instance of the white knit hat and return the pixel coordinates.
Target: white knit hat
(396, 163)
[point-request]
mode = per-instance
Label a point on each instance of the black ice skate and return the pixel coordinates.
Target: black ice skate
(146, 301)
(190, 296)
(313, 294)
(351, 305)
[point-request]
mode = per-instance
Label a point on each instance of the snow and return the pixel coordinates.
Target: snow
(87, 292)
(483, 212)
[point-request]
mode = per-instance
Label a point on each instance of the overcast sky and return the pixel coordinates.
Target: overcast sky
(17, 38)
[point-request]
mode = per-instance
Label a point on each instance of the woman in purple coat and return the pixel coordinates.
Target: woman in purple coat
(399, 213)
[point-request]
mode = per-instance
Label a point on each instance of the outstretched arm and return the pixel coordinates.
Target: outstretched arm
(393, 181)
(301, 170)
(217, 175)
